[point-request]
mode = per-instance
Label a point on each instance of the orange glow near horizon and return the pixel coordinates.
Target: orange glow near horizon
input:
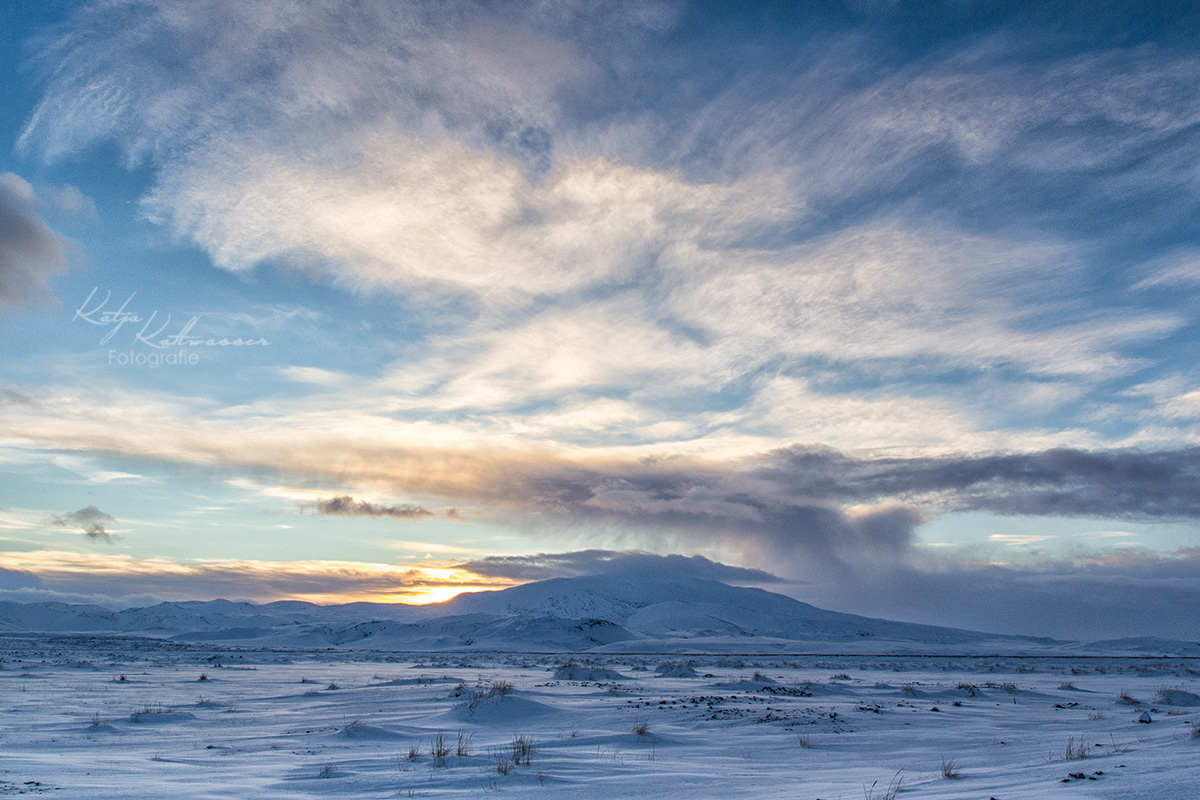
(439, 594)
(348, 581)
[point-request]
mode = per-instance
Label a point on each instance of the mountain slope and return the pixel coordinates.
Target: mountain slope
(691, 608)
(630, 613)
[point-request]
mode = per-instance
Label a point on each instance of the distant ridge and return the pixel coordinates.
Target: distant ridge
(600, 613)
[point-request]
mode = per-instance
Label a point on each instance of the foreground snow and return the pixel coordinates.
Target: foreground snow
(203, 722)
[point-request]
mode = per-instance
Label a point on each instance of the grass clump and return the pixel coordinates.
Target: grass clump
(481, 694)
(877, 792)
(439, 748)
(1077, 749)
(523, 748)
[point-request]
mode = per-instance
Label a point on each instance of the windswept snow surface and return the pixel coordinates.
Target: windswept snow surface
(586, 687)
(104, 717)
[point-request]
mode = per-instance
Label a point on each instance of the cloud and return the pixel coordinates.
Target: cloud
(666, 251)
(1118, 484)
(441, 116)
(990, 130)
(123, 579)
(451, 149)
(91, 520)
(593, 562)
(625, 228)
(344, 505)
(30, 253)
(785, 500)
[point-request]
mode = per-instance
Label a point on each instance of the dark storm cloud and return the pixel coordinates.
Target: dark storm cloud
(817, 502)
(702, 505)
(592, 562)
(1120, 484)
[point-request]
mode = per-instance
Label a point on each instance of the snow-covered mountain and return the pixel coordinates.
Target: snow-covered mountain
(616, 613)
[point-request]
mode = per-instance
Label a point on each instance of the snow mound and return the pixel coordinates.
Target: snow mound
(756, 683)
(159, 717)
(675, 669)
(581, 672)
(423, 680)
(500, 709)
(1176, 697)
(362, 732)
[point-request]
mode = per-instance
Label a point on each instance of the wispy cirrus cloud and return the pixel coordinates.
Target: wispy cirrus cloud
(491, 178)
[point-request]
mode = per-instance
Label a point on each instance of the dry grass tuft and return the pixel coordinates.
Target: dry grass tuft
(439, 749)
(1077, 749)
(523, 749)
(893, 788)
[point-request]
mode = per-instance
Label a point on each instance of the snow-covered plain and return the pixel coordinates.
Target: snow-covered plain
(86, 716)
(586, 687)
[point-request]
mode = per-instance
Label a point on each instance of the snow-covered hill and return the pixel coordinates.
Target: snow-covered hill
(629, 613)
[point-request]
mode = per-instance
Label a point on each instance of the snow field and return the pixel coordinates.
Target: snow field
(222, 723)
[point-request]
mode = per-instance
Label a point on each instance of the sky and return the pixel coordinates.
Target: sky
(890, 307)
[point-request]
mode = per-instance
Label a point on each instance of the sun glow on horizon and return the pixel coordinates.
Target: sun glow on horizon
(315, 581)
(429, 595)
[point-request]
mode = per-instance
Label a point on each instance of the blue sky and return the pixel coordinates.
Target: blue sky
(894, 302)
